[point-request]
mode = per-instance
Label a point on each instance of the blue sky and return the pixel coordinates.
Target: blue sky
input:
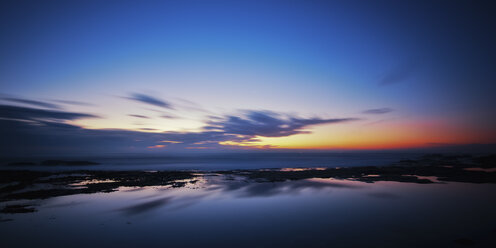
(428, 61)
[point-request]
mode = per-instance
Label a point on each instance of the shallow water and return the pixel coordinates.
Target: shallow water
(230, 211)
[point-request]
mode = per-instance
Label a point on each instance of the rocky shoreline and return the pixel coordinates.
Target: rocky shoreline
(30, 185)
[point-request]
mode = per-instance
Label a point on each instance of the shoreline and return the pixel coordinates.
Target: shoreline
(16, 185)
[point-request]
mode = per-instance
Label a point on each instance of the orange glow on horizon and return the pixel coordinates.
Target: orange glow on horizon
(157, 146)
(394, 135)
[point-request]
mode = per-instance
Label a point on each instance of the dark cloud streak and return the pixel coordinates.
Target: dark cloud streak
(140, 116)
(268, 124)
(32, 102)
(78, 103)
(27, 131)
(24, 113)
(378, 111)
(150, 100)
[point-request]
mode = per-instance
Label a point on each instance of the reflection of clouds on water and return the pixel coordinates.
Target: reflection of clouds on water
(132, 189)
(383, 195)
(145, 207)
(170, 203)
(169, 198)
(65, 204)
(186, 202)
(239, 188)
(221, 187)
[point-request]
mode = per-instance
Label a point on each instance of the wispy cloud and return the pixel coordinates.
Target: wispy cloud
(148, 129)
(32, 102)
(39, 131)
(78, 103)
(46, 137)
(150, 100)
(189, 105)
(140, 116)
(378, 111)
(268, 124)
(25, 113)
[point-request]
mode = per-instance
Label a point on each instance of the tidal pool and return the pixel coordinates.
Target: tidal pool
(217, 210)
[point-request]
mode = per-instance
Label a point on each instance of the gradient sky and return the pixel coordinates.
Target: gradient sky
(129, 75)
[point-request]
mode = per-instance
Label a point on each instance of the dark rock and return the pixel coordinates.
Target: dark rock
(106, 181)
(486, 161)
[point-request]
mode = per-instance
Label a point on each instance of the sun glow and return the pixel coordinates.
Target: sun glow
(394, 135)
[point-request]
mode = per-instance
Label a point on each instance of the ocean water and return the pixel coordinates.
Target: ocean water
(229, 211)
(225, 161)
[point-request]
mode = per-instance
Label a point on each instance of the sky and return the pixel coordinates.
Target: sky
(168, 76)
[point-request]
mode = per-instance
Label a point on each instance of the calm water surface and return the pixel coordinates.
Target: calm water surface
(229, 211)
(210, 162)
